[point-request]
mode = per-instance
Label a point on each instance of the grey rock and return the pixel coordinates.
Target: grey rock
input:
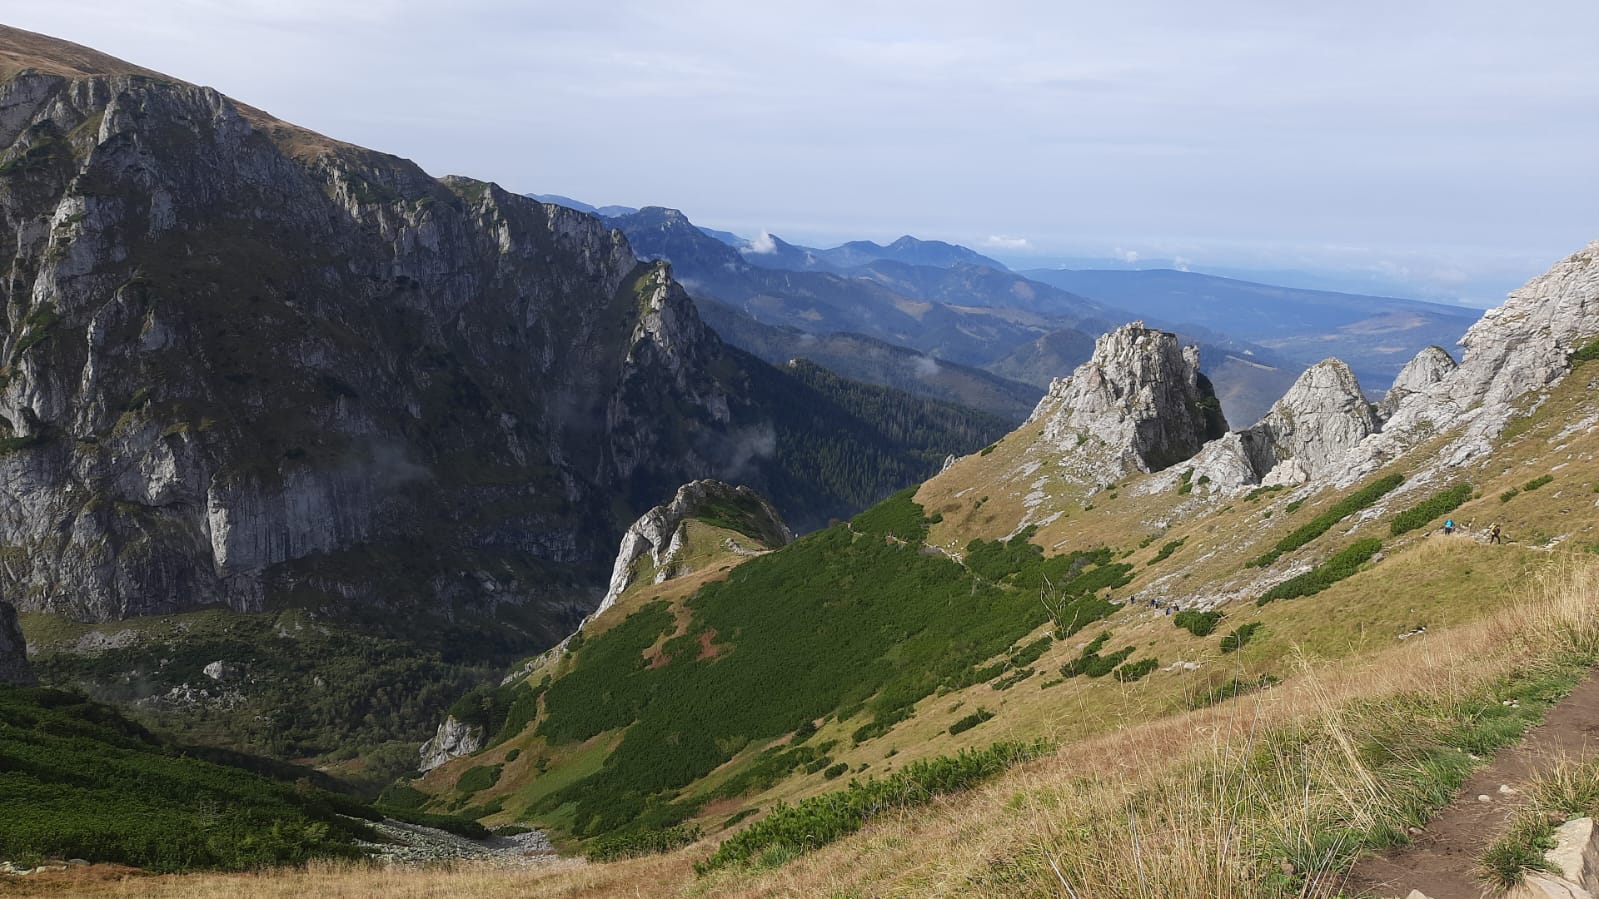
(1430, 366)
(1139, 403)
(14, 668)
(453, 740)
(1322, 416)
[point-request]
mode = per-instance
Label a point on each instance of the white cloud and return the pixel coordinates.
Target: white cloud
(1000, 242)
(926, 367)
(763, 243)
(1181, 263)
(1127, 256)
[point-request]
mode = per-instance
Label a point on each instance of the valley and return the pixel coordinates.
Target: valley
(367, 533)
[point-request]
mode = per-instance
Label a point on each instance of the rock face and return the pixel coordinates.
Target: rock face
(14, 668)
(1322, 416)
(655, 542)
(453, 740)
(1430, 366)
(1138, 404)
(1515, 349)
(244, 362)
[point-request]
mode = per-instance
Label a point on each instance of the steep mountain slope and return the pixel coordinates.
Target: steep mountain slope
(248, 367)
(1055, 559)
(1376, 336)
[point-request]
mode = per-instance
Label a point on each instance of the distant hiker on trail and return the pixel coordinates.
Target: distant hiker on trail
(1449, 527)
(1493, 534)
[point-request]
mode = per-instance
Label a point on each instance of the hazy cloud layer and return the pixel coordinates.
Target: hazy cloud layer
(1440, 142)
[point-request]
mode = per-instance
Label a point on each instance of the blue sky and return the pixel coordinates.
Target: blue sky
(1449, 147)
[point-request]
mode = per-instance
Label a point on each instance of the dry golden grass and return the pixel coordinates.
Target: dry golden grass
(1198, 804)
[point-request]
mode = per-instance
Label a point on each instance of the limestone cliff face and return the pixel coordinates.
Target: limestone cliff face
(1323, 431)
(1322, 416)
(654, 544)
(243, 362)
(453, 740)
(1430, 366)
(1514, 350)
(13, 650)
(1138, 404)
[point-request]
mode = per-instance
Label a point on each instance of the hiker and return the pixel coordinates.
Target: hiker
(1449, 527)
(1493, 534)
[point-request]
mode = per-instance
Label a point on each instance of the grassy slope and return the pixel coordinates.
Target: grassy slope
(1423, 580)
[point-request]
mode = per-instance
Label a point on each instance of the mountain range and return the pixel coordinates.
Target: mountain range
(891, 572)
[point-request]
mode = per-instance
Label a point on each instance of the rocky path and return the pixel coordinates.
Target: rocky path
(1441, 861)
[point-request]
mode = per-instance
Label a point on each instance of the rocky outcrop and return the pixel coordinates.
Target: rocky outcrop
(1514, 350)
(14, 668)
(654, 544)
(453, 740)
(1430, 366)
(1322, 416)
(1139, 403)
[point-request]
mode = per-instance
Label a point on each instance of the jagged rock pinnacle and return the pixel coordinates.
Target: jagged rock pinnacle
(1139, 403)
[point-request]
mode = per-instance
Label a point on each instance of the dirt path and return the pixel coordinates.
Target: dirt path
(1442, 860)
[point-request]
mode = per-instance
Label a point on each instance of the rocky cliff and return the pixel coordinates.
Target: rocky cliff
(1513, 352)
(245, 364)
(653, 545)
(13, 650)
(1139, 403)
(1324, 431)
(453, 740)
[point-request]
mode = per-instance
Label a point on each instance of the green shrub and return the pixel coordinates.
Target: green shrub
(1322, 523)
(1587, 353)
(1510, 494)
(1166, 550)
(1185, 483)
(794, 829)
(80, 780)
(1259, 492)
(1537, 482)
(479, 778)
(835, 771)
(1135, 670)
(1430, 509)
(988, 449)
(1335, 569)
(865, 624)
(1198, 623)
(1232, 689)
(1014, 678)
(970, 721)
(640, 843)
(1240, 636)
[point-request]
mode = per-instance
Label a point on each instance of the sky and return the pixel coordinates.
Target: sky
(1440, 149)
